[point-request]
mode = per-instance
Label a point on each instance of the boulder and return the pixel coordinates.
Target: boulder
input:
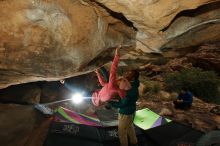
(198, 116)
(206, 57)
(50, 40)
(215, 110)
(141, 89)
(169, 23)
(177, 64)
(22, 125)
(164, 96)
(53, 91)
(29, 93)
(165, 112)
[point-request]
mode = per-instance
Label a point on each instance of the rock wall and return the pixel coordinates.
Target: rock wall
(50, 40)
(22, 125)
(29, 93)
(206, 57)
(161, 21)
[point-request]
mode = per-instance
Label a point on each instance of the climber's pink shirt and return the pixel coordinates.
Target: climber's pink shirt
(109, 89)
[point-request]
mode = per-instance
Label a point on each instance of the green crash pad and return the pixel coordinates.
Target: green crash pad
(147, 119)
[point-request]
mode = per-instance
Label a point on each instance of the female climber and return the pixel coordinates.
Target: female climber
(113, 87)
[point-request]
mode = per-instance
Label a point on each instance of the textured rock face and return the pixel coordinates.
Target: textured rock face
(52, 91)
(49, 40)
(21, 125)
(177, 65)
(56, 39)
(206, 57)
(198, 116)
(158, 26)
(153, 14)
(21, 94)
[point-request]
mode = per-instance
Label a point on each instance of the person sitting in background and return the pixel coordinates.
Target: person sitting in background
(184, 99)
(113, 87)
(127, 109)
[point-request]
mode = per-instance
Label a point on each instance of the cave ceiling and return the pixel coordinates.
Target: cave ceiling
(54, 39)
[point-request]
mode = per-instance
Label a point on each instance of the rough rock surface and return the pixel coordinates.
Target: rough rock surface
(44, 92)
(206, 57)
(49, 40)
(177, 64)
(215, 110)
(162, 22)
(55, 39)
(29, 93)
(22, 125)
(198, 116)
(52, 91)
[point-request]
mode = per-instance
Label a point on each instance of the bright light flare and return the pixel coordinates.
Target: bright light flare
(77, 98)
